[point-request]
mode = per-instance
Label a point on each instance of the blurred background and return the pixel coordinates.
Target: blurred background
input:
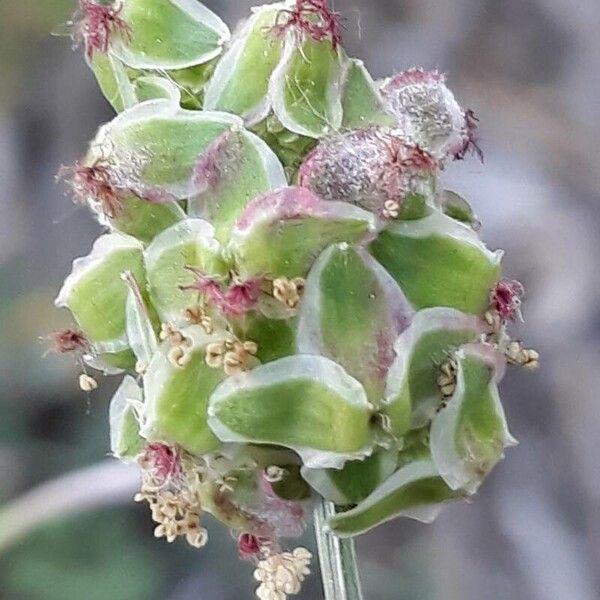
(531, 70)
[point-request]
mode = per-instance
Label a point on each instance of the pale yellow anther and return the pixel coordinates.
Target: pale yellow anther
(140, 367)
(446, 380)
(288, 291)
(87, 383)
(273, 473)
(391, 209)
(169, 333)
(251, 347)
(524, 357)
(282, 574)
(179, 356)
(233, 364)
(197, 316)
(215, 353)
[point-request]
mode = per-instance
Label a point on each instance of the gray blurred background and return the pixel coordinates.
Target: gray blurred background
(531, 71)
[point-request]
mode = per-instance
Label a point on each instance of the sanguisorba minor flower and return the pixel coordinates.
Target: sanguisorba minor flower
(299, 306)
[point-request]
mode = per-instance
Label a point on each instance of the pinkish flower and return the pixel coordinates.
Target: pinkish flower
(248, 546)
(241, 298)
(205, 285)
(95, 24)
(164, 462)
(313, 19)
(505, 298)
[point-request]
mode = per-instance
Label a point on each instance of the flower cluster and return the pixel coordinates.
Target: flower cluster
(300, 308)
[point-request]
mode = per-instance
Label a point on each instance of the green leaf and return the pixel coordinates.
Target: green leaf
(240, 82)
(306, 403)
(177, 398)
(281, 234)
(305, 88)
(438, 261)
(361, 102)
(469, 435)
(188, 243)
(352, 312)
(412, 394)
(355, 481)
(96, 294)
(415, 491)
(234, 170)
(169, 34)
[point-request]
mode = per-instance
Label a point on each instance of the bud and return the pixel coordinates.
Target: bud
(429, 114)
(368, 168)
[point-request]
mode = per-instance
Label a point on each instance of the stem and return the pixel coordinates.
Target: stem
(339, 570)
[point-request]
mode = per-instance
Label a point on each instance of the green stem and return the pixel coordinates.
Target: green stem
(339, 569)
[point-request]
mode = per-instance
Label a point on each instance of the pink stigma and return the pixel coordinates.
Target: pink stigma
(96, 24)
(69, 340)
(505, 299)
(164, 461)
(248, 546)
(239, 299)
(92, 182)
(470, 139)
(314, 19)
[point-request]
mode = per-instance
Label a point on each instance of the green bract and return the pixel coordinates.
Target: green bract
(439, 262)
(168, 34)
(306, 403)
(97, 295)
(177, 398)
(300, 307)
(469, 435)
